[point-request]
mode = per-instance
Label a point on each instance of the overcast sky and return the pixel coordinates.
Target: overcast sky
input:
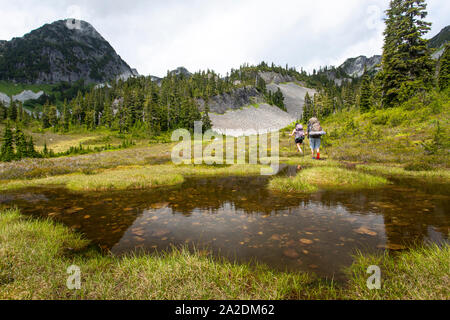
(155, 36)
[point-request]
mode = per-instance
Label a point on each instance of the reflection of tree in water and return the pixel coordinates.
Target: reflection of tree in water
(247, 194)
(104, 217)
(408, 214)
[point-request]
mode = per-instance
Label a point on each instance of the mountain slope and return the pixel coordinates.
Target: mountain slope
(440, 39)
(66, 50)
(294, 97)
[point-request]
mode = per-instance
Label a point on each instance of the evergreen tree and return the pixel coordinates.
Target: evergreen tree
(278, 99)
(107, 117)
(12, 111)
(20, 112)
(52, 116)
(45, 118)
(130, 116)
(45, 152)
(66, 117)
(365, 96)
(407, 65)
(3, 111)
(31, 151)
(307, 108)
(206, 120)
(327, 105)
(261, 85)
(21, 145)
(7, 148)
(444, 69)
(349, 98)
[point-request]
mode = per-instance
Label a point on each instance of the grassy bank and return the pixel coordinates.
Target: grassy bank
(34, 257)
(10, 88)
(414, 132)
(326, 178)
(395, 172)
(419, 274)
(35, 254)
(132, 177)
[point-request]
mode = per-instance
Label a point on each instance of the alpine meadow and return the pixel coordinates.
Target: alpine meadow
(295, 182)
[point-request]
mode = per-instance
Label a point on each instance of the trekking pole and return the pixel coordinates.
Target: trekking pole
(304, 147)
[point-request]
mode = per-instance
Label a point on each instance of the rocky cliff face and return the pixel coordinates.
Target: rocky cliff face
(181, 71)
(276, 78)
(66, 50)
(234, 100)
(354, 67)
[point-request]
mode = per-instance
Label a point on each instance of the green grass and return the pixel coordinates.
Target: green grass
(308, 162)
(132, 177)
(327, 178)
(290, 185)
(419, 274)
(35, 255)
(396, 172)
(395, 135)
(10, 88)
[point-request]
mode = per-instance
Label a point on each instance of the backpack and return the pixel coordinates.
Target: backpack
(299, 133)
(314, 125)
(314, 128)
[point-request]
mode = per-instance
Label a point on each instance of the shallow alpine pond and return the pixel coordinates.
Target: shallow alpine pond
(239, 219)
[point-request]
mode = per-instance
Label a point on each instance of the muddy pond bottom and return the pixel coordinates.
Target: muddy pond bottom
(239, 219)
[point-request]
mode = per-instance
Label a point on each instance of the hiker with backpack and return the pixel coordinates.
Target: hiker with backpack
(299, 134)
(315, 133)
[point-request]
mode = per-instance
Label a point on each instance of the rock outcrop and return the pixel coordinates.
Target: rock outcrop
(234, 100)
(273, 77)
(354, 67)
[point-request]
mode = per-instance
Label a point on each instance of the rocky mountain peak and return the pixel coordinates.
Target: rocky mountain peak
(65, 50)
(181, 71)
(354, 67)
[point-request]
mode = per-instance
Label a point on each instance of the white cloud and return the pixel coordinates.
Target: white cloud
(155, 36)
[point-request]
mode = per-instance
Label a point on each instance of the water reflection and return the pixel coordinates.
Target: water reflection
(239, 219)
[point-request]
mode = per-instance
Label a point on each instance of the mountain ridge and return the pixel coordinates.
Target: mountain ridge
(65, 50)
(440, 39)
